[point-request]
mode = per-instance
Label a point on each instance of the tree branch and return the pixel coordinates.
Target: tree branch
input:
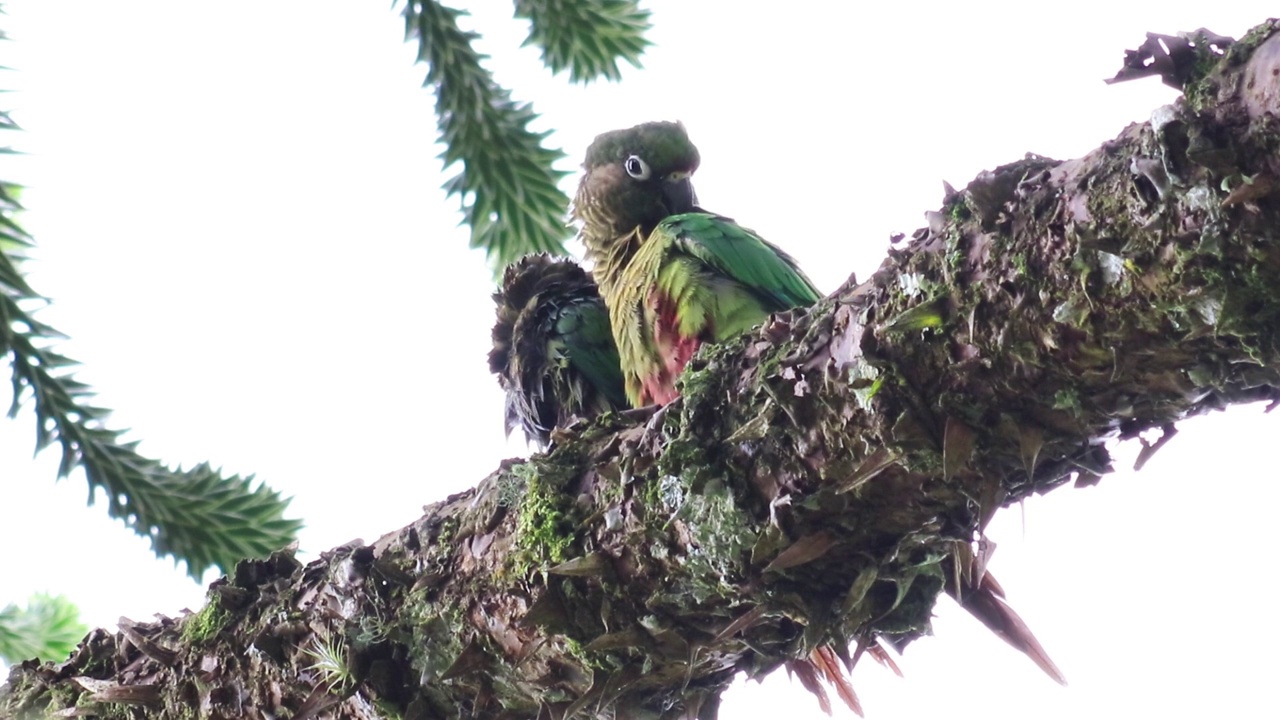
(507, 184)
(587, 39)
(196, 515)
(819, 481)
(49, 626)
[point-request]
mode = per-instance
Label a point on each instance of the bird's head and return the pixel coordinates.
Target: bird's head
(635, 178)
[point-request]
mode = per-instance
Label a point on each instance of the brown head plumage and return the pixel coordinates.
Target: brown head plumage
(632, 179)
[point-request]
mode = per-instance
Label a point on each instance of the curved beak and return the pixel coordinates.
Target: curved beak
(677, 189)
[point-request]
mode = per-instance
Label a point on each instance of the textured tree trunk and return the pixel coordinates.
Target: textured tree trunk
(819, 482)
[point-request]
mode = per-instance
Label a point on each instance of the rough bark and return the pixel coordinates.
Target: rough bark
(818, 481)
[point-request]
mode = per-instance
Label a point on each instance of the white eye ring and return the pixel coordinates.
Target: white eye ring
(637, 168)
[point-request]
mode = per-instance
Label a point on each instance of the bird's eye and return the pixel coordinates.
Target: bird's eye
(637, 167)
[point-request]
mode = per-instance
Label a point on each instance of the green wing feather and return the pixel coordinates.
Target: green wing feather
(584, 340)
(743, 256)
(553, 351)
(721, 278)
(696, 277)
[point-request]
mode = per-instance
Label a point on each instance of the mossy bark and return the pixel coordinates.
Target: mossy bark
(819, 482)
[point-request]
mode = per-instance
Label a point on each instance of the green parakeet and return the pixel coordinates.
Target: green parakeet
(553, 351)
(673, 275)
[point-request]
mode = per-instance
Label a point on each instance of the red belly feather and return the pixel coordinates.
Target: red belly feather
(673, 351)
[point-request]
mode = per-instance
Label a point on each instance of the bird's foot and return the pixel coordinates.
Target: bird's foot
(640, 413)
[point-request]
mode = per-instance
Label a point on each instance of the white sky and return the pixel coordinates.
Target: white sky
(239, 218)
